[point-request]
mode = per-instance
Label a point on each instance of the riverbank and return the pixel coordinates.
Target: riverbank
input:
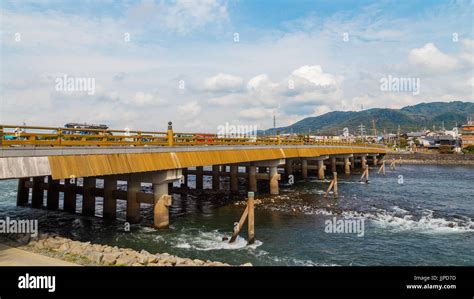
(431, 158)
(10, 256)
(87, 254)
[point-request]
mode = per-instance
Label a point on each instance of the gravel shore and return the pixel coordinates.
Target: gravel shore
(85, 253)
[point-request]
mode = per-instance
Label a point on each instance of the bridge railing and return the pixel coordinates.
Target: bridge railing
(15, 136)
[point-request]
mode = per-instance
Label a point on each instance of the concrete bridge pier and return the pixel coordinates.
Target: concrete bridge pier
(320, 165)
(70, 195)
(273, 174)
(252, 172)
(288, 168)
(199, 177)
(184, 184)
(161, 199)
(88, 199)
(37, 194)
(52, 201)
(133, 205)
(215, 177)
(110, 202)
(347, 166)
(23, 192)
(333, 164)
(234, 183)
(304, 168)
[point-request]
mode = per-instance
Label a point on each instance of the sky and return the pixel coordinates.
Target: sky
(204, 63)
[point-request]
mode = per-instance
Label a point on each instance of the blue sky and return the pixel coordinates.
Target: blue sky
(203, 63)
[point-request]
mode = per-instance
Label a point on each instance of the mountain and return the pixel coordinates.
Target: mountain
(410, 118)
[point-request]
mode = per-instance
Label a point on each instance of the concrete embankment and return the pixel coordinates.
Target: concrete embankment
(10, 256)
(432, 159)
(85, 253)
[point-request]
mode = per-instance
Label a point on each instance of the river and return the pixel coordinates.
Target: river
(425, 217)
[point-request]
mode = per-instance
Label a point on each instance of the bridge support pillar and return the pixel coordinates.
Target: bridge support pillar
(185, 178)
(347, 166)
(52, 201)
(161, 199)
(252, 178)
(23, 192)
(352, 162)
(162, 202)
(333, 164)
(110, 203)
(199, 177)
(133, 206)
(70, 195)
(304, 168)
(88, 199)
(274, 177)
(321, 169)
(38, 192)
(288, 167)
(215, 177)
(233, 178)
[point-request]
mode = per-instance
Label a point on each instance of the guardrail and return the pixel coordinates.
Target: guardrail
(14, 136)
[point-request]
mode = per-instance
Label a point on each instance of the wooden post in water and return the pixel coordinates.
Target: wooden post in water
(239, 226)
(332, 186)
(365, 174)
(251, 223)
(382, 168)
(248, 213)
(392, 165)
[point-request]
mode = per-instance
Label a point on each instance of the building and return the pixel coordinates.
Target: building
(467, 134)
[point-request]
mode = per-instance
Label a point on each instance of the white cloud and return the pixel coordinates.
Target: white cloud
(182, 16)
(315, 75)
(431, 58)
(229, 100)
(256, 113)
(189, 110)
(147, 99)
(223, 82)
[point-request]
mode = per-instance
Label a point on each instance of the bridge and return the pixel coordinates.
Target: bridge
(50, 161)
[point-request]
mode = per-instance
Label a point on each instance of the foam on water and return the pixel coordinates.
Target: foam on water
(212, 240)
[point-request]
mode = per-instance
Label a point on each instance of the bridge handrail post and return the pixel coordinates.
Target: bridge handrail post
(1, 136)
(60, 136)
(170, 134)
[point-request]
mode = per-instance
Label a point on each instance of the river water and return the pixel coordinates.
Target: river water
(428, 219)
